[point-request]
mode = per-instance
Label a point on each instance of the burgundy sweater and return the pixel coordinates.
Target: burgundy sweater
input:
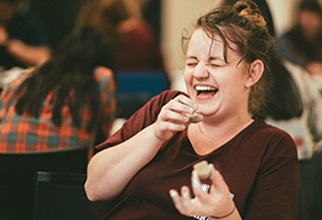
(259, 164)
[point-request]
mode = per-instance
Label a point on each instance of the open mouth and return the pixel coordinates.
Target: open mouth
(206, 90)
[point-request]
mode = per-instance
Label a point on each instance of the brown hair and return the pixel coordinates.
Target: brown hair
(243, 25)
(70, 75)
(103, 15)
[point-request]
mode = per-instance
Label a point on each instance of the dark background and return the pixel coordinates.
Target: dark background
(58, 16)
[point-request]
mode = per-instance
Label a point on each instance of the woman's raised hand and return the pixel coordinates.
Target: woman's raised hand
(175, 116)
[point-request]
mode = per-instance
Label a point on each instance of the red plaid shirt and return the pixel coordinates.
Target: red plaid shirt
(22, 133)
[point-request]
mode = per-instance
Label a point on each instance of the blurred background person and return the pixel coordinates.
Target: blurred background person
(71, 95)
(64, 104)
(23, 41)
(303, 42)
(137, 46)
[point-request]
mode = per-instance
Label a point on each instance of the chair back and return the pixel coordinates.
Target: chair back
(62, 196)
(18, 174)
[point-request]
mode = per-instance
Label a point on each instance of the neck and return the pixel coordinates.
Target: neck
(206, 137)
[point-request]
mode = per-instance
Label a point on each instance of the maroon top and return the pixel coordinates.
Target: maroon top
(259, 165)
(139, 50)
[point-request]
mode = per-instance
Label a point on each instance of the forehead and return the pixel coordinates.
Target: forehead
(212, 45)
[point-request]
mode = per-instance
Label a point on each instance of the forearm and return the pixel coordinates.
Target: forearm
(29, 55)
(110, 170)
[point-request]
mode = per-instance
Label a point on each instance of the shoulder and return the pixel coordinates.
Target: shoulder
(274, 141)
(265, 129)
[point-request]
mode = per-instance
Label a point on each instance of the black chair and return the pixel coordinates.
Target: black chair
(61, 196)
(18, 175)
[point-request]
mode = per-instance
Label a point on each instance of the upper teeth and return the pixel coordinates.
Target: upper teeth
(204, 88)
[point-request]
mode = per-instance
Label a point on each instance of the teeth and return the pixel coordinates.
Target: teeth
(205, 88)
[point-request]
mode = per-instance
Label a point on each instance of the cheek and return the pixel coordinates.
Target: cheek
(234, 86)
(187, 76)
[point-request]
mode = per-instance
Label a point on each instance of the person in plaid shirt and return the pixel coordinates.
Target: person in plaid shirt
(63, 103)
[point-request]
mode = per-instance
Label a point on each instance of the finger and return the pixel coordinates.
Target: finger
(186, 198)
(196, 184)
(185, 100)
(187, 104)
(197, 187)
(175, 112)
(177, 201)
(173, 116)
(195, 118)
(172, 126)
(185, 192)
(189, 206)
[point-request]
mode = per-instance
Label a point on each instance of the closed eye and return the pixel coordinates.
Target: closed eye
(191, 64)
(191, 61)
(216, 62)
(215, 65)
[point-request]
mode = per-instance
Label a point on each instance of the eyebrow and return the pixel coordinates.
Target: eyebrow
(210, 58)
(216, 58)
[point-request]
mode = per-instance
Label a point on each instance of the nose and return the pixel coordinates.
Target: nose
(201, 71)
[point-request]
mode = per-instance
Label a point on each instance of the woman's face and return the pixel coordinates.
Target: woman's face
(310, 23)
(216, 87)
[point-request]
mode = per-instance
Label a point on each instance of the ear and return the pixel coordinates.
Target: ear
(255, 72)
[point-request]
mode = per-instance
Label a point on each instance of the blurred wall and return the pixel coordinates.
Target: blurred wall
(176, 16)
(284, 13)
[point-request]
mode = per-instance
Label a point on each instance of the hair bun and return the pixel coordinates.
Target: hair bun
(240, 7)
(249, 10)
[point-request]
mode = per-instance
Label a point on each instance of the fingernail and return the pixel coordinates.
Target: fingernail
(172, 193)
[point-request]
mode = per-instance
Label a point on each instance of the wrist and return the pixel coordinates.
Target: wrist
(160, 135)
(223, 216)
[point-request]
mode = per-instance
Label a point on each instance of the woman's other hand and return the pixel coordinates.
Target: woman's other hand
(217, 202)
